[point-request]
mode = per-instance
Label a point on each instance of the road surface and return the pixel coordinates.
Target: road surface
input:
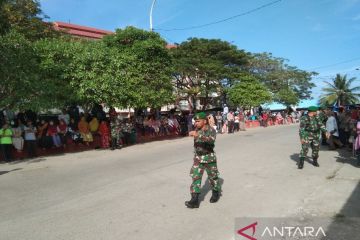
(139, 192)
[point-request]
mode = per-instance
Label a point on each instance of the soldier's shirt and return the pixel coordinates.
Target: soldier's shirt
(204, 145)
(311, 127)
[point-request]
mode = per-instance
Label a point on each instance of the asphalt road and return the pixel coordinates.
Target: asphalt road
(139, 192)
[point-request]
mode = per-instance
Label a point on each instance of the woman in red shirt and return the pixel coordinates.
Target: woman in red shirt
(105, 134)
(53, 132)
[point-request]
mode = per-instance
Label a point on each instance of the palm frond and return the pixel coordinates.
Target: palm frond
(354, 89)
(330, 84)
(350, 81)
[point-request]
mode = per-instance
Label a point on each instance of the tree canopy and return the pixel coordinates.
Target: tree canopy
(26, 17)
(18, 71)
(140, 68)
(249, 92)
(288, 83)
(201, 66)
(41, 68)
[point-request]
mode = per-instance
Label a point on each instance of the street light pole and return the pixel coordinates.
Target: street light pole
(151, 15)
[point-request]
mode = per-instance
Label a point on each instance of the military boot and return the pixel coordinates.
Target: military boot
(215, 196)
(315, 162)
(301, 163)
(194, 202)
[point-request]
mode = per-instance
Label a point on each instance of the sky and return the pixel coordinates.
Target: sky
(314, 35)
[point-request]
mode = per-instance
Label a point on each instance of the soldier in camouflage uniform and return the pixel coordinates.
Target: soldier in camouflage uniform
(311, 128)
(204, 160)
(115, 131)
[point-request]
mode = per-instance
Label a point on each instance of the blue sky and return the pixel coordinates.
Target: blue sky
(312, 34)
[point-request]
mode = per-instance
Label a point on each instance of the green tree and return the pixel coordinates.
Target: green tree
(288, 83)
(203, 67)
(340, 92)
(130, 68)
(287, 97)
(56, 64)
(35, 75)
(26, 17)
(249, 92)
(18, 71)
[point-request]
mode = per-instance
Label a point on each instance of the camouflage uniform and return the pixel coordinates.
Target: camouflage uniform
(204, 160)
(114, 132)
(310, 131)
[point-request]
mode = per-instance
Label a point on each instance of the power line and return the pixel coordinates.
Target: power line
(335, 64)
(222, 20)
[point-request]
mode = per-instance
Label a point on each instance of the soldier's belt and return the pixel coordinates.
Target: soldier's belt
(312, 131)
(203, 153)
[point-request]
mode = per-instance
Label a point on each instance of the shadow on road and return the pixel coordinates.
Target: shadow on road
(5, 172)
(207, 188)
(345, 224)
(295, 157)
(30, 160)
(346, 156)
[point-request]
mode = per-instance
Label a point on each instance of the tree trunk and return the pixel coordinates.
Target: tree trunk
(192, 103)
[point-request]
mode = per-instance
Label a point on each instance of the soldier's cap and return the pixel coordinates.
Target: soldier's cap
(313, 109)
(200, 115)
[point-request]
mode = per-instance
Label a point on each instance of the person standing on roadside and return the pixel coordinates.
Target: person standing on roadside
(30, 139)
(6, 142)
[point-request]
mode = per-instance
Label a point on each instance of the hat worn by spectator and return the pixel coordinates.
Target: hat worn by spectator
(312, 109)
(200, 115)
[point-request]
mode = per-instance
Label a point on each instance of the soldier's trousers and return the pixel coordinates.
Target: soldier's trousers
(197, 172)
(314, 143)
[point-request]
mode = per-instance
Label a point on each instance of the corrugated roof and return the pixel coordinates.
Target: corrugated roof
(81, 31)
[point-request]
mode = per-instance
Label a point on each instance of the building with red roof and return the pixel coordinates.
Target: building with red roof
(81, 31)
(87, 32)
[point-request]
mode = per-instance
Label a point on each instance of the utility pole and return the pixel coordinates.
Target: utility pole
(151, 15)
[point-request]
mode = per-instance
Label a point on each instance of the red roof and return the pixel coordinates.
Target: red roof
(170, 46)
(81, 31)
(88, 32)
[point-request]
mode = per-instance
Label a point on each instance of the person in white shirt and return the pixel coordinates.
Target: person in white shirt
(17, 138)
(30, 139)
(226, 110)
(332, 128)
(64, 116)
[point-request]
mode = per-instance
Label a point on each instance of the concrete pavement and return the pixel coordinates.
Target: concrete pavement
(139, 192)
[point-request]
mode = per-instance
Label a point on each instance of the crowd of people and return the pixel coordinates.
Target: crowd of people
(27, 131)
(344, 128)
